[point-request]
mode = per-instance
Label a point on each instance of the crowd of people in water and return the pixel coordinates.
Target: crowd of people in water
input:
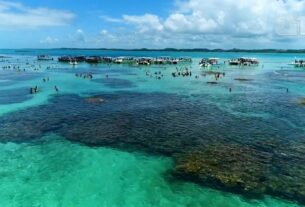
(151, 72)
(184, 72)
(84, 75)
(157, 75)
(34, 90)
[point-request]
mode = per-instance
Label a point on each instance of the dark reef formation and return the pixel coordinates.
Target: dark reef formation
(247, 155)
(278, 170)
(17, 95)
(115, 83)
(302, 101)
(243, 79)
(95, 100)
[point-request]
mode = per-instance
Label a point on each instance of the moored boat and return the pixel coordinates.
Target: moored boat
(124, 60)
(207, 62)
(73, 62)
(94, 59)
(144, 61)
(244, 61)
(44, 58)
(185, 60)
(234, 62)
(65, 59)
(298, 63)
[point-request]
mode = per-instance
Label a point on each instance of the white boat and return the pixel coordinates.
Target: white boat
(244, 61)
(234, 62)
(118, 61)
(185, 60)
(73, 62)
(298, 63)
(208, 62)
(44, 57)
(124, 60)
(213, 61)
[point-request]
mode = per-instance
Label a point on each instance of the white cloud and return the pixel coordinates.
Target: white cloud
(255, 17)
(226, 23)
(80, 36)
(106, 36)
(147, 22)
(104, 32)
(111, 19)
(16, 15)
(49, 40)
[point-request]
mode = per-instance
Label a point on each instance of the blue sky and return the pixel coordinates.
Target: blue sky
(152, 23)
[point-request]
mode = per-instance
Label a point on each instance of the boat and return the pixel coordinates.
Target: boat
(249, 61)
(65, 59)
(185, 60)
(234, 62)
(298, 63)
(124, 60)
(68, 59)
(168, 60)
(118, 60)
(80, 58)
(207, 62)
(94, 59)
(106, 59)
(159, 61)
(44, 58)
(213, 61)
(73, 62)
(144, 61)
(243, 61)
(204, 63)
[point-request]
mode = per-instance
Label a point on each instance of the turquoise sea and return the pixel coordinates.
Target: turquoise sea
(127, 138)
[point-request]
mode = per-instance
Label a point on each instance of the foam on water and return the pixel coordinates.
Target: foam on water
(55, 172)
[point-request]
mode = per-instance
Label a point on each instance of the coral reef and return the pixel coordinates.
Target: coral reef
(276, 171)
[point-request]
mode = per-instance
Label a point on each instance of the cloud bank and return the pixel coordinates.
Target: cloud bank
(16, 15)
(211, 23)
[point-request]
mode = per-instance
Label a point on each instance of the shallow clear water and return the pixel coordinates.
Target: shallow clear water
(52, 171)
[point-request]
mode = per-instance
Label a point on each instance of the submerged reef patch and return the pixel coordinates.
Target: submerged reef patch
(12, 96)
(245, 155)
(95, 100)
(302, 101)
(116, 83)
(277, 170)
(243, 79)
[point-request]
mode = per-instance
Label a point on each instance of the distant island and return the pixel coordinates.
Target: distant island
(200, 50)
(176, 50)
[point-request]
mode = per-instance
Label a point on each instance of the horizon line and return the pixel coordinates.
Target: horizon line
(270, 50)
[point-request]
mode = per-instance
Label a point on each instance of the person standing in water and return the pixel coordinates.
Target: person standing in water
(56, 89)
